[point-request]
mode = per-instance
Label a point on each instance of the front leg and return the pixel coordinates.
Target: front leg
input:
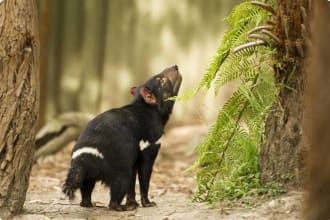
(130, 199)
(146, 161)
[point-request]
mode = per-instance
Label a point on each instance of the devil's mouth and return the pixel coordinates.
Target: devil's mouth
(177, 83)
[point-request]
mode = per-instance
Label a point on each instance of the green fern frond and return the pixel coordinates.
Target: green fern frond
(234, 68)
(228, 157)
(243, 18)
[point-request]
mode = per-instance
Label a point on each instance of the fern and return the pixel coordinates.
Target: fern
(243, 18)
(228, 157)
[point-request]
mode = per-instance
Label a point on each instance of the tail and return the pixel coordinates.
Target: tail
(73, 181)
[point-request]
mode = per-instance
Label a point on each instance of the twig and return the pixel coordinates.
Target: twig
(267, 27)
(257, 36)
(250, 44)
(265, 6)
(270, 22)
(271, 35)
(60, 131)
(58, 142)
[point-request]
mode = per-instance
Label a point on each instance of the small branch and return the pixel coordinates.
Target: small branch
(265, 6)
(250, 44)
(60, 131)
(258, 36)
(271, 35)
(57, 143)
(56, 125)
(267, 27)
(270, 22)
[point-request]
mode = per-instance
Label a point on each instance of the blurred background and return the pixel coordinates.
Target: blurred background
(94, 51)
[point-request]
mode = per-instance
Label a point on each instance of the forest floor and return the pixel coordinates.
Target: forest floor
(170, 188)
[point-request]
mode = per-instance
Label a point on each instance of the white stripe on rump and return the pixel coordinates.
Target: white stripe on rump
(87, 150)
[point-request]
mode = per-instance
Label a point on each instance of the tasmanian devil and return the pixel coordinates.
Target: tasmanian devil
(109, 149)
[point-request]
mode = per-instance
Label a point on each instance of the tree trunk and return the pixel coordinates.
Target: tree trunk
(19, 98)
(44, 36)
(90, 88)
(73, 24)
(317, 116)
(56, 47)
(282, 158)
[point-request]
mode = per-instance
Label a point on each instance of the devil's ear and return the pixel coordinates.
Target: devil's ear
(133, 90)
(148, 96)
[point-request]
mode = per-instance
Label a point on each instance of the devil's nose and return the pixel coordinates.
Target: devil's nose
(175, 67)
(172, 72)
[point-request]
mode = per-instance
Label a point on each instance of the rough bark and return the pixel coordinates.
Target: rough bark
(19, 98)
(282, 155)
(317, 116)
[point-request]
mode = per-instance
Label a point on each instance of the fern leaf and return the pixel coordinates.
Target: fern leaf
(228, 157)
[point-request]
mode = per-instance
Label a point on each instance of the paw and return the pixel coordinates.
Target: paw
(131, 207)
(86, 204)
(119, 208)
(148, 204)
(132, 203)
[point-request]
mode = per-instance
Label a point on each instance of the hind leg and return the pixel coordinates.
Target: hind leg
(117, 195)
(86, 193)
(119, 188)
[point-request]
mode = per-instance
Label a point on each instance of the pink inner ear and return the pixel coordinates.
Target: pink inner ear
(148, 96)
(133, 90)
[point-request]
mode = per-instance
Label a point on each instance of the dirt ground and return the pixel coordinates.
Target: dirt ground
(170, 188)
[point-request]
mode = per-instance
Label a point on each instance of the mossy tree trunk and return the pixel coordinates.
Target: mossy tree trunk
(19, 98)
(282, 155)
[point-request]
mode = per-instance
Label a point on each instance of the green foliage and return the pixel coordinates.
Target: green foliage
(228, 158)
(242, 19)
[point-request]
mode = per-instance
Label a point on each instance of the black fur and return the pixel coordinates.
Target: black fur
(116, 134)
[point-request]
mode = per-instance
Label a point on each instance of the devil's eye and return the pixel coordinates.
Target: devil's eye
(162, 81)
